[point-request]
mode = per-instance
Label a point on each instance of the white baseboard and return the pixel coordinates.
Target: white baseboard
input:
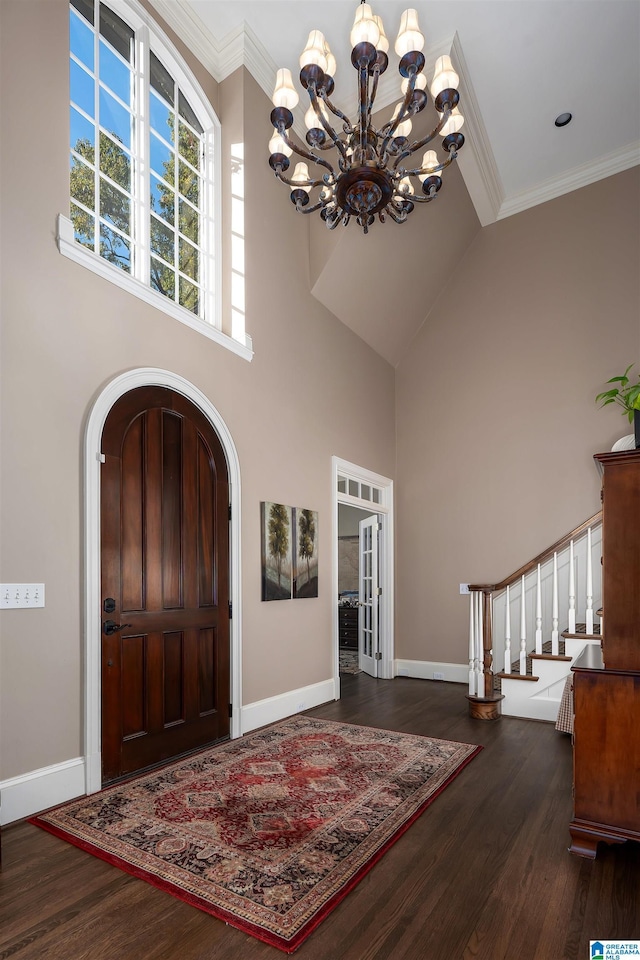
(40, 789)
(272, 709)
(425, 670)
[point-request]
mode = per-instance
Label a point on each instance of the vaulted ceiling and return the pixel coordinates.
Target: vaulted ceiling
(521, 63)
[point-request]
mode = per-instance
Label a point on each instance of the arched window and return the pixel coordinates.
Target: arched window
(144, 146)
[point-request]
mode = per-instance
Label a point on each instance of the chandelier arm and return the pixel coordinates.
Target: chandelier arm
(391, 127)
(374, 92)
(313, 96)
(363, 102)
(303, 152)
(348, 129)
(298, 183)
(420, 171)
(395, 214)
(311, 209)
(425, 140)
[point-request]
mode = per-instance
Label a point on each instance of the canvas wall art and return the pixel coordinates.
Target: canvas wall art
(277, 535)
(305, 553)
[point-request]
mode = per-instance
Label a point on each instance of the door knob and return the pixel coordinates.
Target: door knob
(110, 627)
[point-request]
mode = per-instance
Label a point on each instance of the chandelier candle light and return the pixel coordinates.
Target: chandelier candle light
(372, 175)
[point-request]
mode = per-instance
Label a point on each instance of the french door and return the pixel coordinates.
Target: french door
(368, 596)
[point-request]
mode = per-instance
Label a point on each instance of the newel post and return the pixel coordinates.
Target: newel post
(486, 706)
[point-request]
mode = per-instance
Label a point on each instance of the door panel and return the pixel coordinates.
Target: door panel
(165, 562)
(368, 596)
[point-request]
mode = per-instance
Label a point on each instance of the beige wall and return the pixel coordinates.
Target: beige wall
(496, 420)
(313, 390)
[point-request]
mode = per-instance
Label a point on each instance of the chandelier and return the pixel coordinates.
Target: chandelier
(369, 171)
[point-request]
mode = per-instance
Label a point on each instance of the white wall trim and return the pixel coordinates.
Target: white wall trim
(120, 385)
(40, 789)
(262, 712)
(425, 669)
(70, 248)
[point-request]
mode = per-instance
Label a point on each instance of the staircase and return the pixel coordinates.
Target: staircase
(517, 652)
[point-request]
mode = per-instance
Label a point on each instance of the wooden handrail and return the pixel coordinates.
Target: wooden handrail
(545, 555)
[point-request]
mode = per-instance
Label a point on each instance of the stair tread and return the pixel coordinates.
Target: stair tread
(549, 656)
(516, 675)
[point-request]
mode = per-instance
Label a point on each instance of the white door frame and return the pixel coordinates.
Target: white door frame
(140, 377)
(384, 508)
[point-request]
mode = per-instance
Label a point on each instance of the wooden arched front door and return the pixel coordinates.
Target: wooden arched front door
(165, 582)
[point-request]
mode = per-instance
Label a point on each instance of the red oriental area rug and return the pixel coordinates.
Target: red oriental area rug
(268, 832)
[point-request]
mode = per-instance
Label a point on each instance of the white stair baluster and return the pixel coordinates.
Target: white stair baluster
(572, 591)
(555, 646)
(538, 614)
(507, 634)
(479, 646)
(523, 632)
(472, 647)
(589, 612)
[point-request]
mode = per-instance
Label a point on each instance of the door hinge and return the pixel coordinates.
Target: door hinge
(229, 511)
(379, 591)
(230, 710)
(230, 610)
(378, 526)
(378, 656)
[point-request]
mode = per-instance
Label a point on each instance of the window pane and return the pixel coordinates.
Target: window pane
(115, 206)
(189, 184)
(114, 118)
(189, 260)
(81, 40)
(115, 74)
(185, 111)
(115, 248)
(163, 279)
(83, 226)
(82, 88)
(82, 134)
(162, 240)
(163, 199)
(83, 184)
(342, 485)
(354, 488)
(189, 295)
(85, 7)
(162, 160)
(189, 146)
(115, 162)
(116, 32)
(376, 495)
(365, 492)
(189, 221)
(162, 118)
(162, 81)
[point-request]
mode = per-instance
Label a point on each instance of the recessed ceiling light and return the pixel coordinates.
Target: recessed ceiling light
(563, 119)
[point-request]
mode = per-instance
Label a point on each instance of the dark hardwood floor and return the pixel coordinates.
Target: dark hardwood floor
(484, 874)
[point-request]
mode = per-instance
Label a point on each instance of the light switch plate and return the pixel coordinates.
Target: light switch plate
(15, 596)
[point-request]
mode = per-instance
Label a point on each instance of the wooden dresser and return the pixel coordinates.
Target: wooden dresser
(348, 627)
(606, 685)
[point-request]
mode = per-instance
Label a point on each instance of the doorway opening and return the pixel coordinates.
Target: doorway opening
(363, 572)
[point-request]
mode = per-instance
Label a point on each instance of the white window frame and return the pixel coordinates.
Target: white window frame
(149, 36)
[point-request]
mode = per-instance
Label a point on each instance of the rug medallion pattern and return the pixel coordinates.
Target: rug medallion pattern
(270, 831)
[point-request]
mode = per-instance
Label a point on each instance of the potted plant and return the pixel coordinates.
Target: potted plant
(627, 395)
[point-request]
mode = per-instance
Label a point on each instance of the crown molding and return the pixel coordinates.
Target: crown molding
(582, 176)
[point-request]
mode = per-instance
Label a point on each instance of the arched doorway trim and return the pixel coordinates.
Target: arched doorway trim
(144, 376)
